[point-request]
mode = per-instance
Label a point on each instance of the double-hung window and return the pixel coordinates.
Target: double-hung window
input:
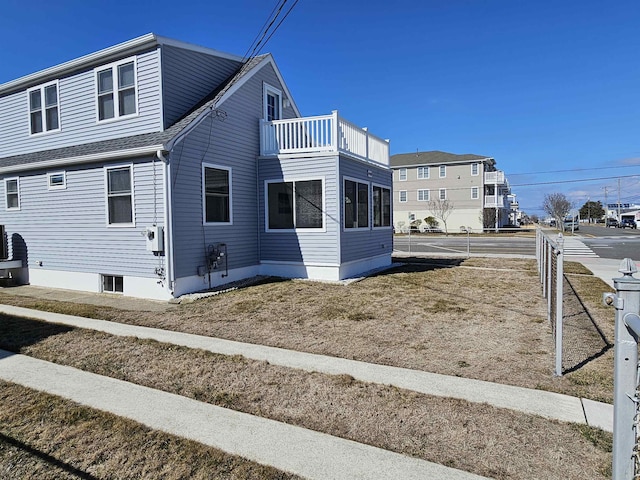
(272, 103)
(443, 171)
(116, 90)
(423, 195)
(475, 193)
(423, 172)
(402, 174)
(216, 185)
(120, 195)
(443, 194)
(475, 169)
(12, 193)
(356, 204)
(295, 205)
(402, 196)
(381, 206)
(44, 108)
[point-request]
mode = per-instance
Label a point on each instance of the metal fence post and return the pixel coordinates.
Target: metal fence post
(625, 381)
(558, 303)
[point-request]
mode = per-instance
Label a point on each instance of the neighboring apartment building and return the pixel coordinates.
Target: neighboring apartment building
(479, 193)
(156, 168)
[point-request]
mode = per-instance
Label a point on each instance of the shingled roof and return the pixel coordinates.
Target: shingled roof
(154, 140)
(435, 157)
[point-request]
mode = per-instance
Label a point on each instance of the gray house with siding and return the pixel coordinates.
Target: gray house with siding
(156, 168)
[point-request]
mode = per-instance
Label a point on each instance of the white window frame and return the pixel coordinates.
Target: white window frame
(204, 193)
(296, 230)
(6, 193)
(271, 90)
(402, 174)
(384, 187)
(423, 173)
(369, 203)
(475, 193)
(43, 107)
(442, 171)
(63, 186)
(104, 276)
(400, 195)
(477, 169)
(421, 192)
(442, 193)
(106, 196)
(114, 75)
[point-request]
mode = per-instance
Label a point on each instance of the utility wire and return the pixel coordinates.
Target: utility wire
(574, 170)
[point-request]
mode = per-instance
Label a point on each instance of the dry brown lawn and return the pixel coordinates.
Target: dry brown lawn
(477, 318)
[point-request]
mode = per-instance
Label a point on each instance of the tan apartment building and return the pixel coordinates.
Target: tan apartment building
(479, 193)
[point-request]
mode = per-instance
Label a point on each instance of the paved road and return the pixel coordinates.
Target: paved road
(612, 242)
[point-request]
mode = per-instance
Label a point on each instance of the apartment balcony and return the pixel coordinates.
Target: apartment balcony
(495, 178)
(322, 134)
(494, 201)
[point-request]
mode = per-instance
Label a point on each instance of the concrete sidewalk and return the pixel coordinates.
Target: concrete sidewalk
(538, 402)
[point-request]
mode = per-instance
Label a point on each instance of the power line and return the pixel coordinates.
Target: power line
(572, 181)
(575, 170)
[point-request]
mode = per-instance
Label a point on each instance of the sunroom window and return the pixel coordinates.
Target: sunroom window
(295, 205)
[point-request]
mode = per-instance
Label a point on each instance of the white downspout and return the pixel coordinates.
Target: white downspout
(167, 220)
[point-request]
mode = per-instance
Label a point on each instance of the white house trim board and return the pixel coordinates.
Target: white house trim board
(195, 283)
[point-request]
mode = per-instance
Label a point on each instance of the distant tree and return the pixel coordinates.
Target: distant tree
(431, 222)
(558, 206)
(415, 225)
(441, 209)
(592, 210)
(534, 218)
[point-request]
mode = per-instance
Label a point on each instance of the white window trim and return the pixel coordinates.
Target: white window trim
(204, 196)
(477, 171)
(369, 204)
(294, 230)
(440, 175)
(113, 292)
(387, 187)
(116, 105)
(428, 194)
(106, 196)
(400, 172)
(57, 187)
(43, 108)
(477, 190)
(400, 192)
(6, 203)
(440, 190)
(266, 88)
(424, 169)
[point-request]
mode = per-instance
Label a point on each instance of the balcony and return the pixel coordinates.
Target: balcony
(494, 201)
(495, 178)
(322, 134)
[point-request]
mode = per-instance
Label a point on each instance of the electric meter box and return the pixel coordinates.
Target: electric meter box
(155, 238)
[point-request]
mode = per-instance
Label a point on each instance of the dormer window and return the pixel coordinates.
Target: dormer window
(272, 103)
(116, 88)
(44, 111)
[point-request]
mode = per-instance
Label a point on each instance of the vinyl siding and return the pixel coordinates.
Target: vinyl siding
(67, 229)
(188, 77)
(363, 243)
(78, 117)
(302, 246)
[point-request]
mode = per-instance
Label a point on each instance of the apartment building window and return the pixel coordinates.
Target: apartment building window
(475, 193)
(442, 194)
(443, 171)
(423, 195)
(272, 103)
(402, 174)
(403, 196)
(120, 195)
(44, 111)
(475, 169)
(423, 172)
(295, 204)
(116, 87)
(12, 193)
(381, 207)
(216, 185)
(356, 204)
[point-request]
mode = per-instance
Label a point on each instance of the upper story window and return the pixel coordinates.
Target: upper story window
(442, 194)
(423, 172)
(272, 103)
(356, 204)
(44, 108)
(402, 174)
(217, 194)
(443, 171)
(423, 195)
(120, 195)
(116, 90)
(475, 169)
(475, 193)
(12, 193)
(295, 204)
(402, 196)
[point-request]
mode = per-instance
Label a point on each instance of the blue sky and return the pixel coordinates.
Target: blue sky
(550, 89)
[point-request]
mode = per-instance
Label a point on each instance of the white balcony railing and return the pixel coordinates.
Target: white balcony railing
(494, 201)
(327, 133)
(496, 178)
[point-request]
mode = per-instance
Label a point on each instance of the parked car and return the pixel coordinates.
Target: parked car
(611, 222)
(628, 223)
